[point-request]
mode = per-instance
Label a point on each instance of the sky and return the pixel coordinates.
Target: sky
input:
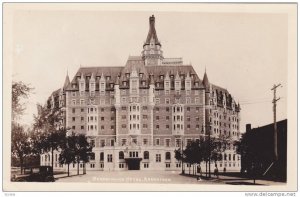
(245, 53)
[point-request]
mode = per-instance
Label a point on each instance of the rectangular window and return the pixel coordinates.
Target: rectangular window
(168, 165)
(178, 142)
(145, 126)
(73, 110)
(121, 165)
(82, 127)
(188, 100)
(157, 100)
(124, 141)
(157, 142)
(145, 141)
(102, 143)
(168, 142)
(73, 119)
(123, 126)
(146, 165)
(109, 158)
(167, 101)
(188, 141)
(158, 158)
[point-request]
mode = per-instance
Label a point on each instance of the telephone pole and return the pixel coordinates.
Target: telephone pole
(275, 124)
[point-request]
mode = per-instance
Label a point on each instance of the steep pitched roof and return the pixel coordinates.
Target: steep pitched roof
(67, 82)
(152, 32)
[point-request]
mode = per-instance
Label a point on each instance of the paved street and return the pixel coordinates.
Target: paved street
(133, 177)
(166, 177)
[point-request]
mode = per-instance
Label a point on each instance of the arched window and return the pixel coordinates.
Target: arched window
(146, 155)
(121, 155)
(168, 155)
(225, 157)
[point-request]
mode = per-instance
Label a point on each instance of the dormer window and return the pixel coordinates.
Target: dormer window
(98, 78)
(74, 85)
(172, 76)
(161, 77)
(157, 84)
(92, 86)
(127, 75)
(107, 78)
(88, 78)
(112, 85)
(82, 85)
(196, 84)
(143, 83)
(124, 83)
(141, 75)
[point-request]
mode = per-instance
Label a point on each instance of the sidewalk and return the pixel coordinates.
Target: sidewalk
(232, 180)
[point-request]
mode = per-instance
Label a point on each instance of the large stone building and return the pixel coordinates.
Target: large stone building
(137, 115)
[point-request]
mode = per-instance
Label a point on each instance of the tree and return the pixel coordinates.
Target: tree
(67, 151)
(19, 90)
(47, 129)
(180, 157)
(83, 151)
(20, 145)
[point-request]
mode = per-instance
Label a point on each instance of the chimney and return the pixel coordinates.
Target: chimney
(248, 127)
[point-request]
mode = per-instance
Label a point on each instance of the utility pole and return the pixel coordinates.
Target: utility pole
(275, 123)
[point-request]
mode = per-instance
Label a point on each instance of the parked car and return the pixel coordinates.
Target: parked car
(45, 174)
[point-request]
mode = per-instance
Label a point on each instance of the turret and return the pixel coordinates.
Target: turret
(102, 85)
(152, 54)
(82, 85)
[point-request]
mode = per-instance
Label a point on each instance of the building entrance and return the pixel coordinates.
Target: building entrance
(133, 163)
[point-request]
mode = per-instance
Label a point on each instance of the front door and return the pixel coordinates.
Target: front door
(133, 164)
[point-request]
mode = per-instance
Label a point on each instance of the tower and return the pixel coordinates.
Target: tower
(152, 53)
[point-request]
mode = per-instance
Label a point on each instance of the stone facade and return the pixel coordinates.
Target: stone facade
(138, 114)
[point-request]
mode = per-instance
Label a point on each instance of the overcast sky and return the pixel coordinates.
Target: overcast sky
(242, 52)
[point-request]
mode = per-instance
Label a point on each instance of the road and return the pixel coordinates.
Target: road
(133, 176)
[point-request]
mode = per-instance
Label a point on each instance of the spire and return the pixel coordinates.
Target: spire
(177, 76)
(117, 80)
(102, 77)
(188, 76)
(205, 81)
(167, 76)
(67, 81)
(152, 32)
